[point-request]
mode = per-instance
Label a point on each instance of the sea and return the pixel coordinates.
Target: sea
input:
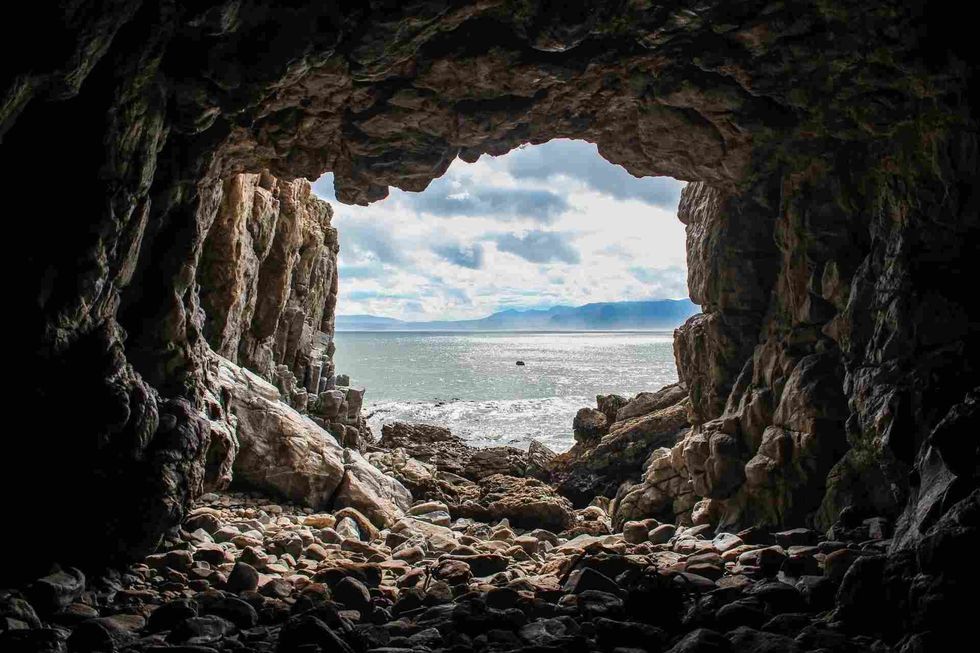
(471, 383)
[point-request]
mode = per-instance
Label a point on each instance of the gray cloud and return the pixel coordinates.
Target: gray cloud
(466, 256)
(662, 282)
(539, 247)
(365, 240)
(442, 198)
(458, 296)
(580, 160)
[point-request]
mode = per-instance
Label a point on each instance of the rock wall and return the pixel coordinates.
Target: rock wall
(806, 370)
(268, 282)
(836, 143)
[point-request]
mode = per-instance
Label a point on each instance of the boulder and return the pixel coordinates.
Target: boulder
(586, 471)
(525, 502)
(281, 451)
(364, 487)
(645, 403)
(540, 460)
(589, 424)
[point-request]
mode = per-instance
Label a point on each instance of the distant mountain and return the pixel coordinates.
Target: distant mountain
(606, 316)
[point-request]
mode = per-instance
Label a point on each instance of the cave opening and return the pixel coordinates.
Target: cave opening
(548, 255)
(820, 455)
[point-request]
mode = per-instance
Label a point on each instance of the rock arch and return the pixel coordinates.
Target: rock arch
(831, 227)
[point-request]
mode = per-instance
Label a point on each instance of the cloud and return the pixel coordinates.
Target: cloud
(368, 241)
(466, 256)
(540, 226)
(323, 188)
(662, 282)
(362, 271)
(580, 160)
(361, 295)
(458, 296)
(453, 196)
(539, 247)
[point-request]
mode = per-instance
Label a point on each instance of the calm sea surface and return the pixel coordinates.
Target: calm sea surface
(470, 382)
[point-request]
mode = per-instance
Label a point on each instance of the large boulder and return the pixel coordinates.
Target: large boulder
(423, 480)
(434, 445)
(586, 471)
(645, 403)
(280, 451)
(437, 446)
(364, 487)
(589, 424)
(287, 454)
(525, 502)
(664, 491)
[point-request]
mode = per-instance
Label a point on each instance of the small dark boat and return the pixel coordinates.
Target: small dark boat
(520, 363)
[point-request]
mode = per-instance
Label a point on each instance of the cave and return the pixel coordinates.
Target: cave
(832, 223)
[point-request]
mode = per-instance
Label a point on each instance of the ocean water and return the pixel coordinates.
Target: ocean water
(471, 384)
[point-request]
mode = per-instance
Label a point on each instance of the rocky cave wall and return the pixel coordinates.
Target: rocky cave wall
(829, 351)
(268, 280)
(832, 230)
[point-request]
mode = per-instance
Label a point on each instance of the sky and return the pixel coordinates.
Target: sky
(541, 226)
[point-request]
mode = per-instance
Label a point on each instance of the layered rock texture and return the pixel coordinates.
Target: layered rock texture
(268, 286)
(268, 280)
(833, 225)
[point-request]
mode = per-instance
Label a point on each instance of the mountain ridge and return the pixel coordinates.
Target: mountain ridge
(654, 315)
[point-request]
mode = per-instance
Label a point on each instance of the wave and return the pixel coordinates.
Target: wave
(512, 422)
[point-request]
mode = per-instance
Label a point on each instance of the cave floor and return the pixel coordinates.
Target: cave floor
(247, 574)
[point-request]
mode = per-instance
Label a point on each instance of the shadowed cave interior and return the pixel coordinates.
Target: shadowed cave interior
(171, 278)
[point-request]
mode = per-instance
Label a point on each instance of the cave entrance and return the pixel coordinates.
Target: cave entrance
(548, 255)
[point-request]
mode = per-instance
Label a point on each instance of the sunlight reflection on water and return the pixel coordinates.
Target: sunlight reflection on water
(470, 383)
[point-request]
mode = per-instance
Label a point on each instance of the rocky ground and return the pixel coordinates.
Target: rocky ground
(249, 575)
(486, 558)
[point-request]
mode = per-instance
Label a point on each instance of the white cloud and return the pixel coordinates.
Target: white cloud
(540, 226)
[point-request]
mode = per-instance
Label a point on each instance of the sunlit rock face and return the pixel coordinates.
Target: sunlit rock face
(832, 231)
(268, 281)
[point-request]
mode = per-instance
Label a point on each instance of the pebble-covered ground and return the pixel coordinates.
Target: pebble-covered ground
(249, 575)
